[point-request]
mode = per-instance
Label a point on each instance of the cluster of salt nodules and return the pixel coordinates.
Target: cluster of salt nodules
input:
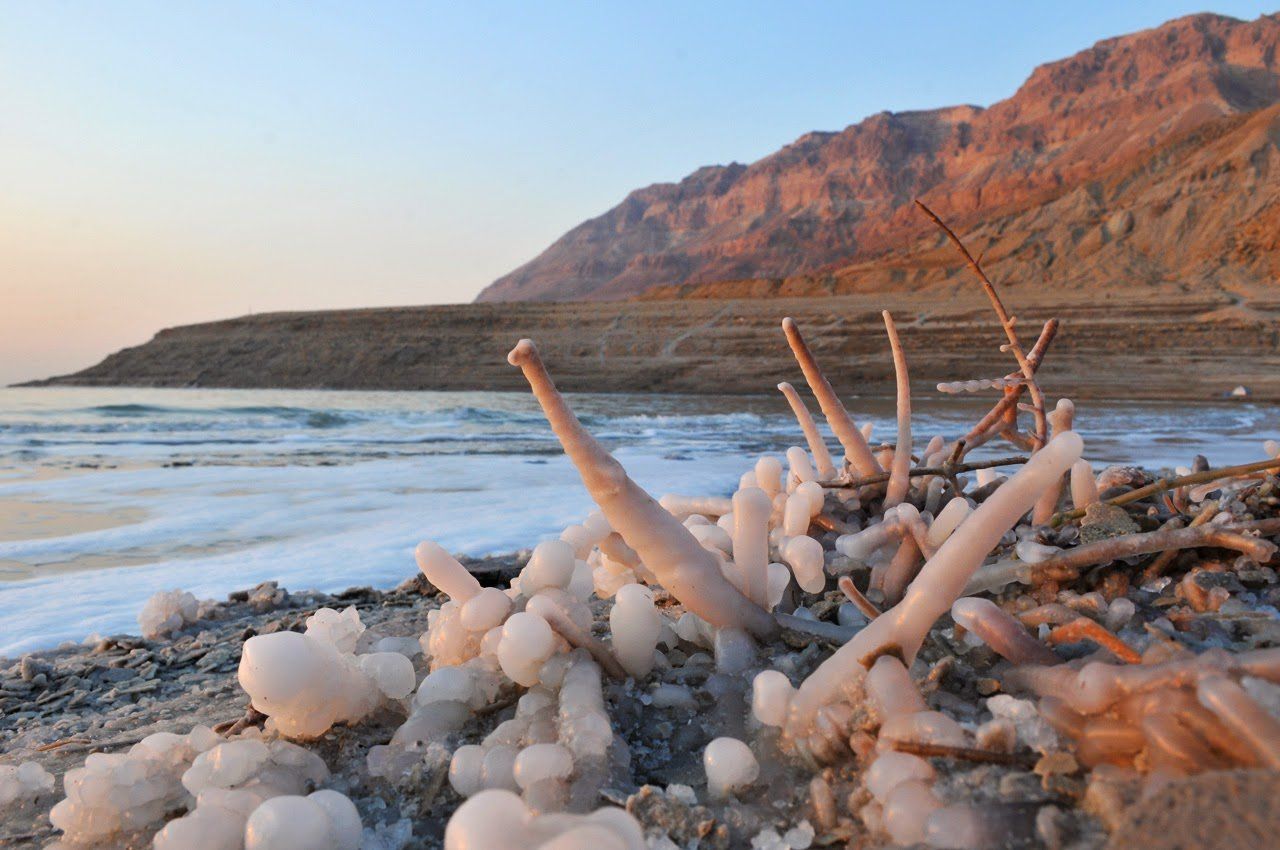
(252, 794)
(123, 793)
(306, 682)
(22, 783)
(166, 612)
(1176, 713)
(496, 819)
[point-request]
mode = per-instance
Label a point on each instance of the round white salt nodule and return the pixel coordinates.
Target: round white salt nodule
(542, 761)
(550, 565)
(486, 609)
(730, 765)
(490, 820)
(289, 823)
(770, 696)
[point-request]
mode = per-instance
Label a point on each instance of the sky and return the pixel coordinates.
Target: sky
(163, 163)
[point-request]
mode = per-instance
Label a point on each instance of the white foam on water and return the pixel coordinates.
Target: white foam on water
(328, 490)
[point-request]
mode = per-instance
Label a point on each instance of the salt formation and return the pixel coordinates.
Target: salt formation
(233, 781)
(307, 682)
(166, 612)
(23, 783)
(324, 820)
(499, 820)
(117, 793)
(730, 766)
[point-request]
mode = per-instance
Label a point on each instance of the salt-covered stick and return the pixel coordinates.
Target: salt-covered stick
(821, 456)
(1243, 715)
(901, 630)
(444, 571)
(1060, 421)
(856, 450)
(685, 568)
(751, 509)
(1000, 631)
(899, 474)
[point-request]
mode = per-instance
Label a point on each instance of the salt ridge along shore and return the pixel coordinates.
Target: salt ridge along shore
(1165, 342)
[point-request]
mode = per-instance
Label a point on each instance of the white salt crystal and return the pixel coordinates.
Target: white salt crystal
(444, 572)
(636, 625)
(769, 474)
(550, 565)
(22, 783)
(486, 609)
(340, 630)
(466, 769)
(801, 469)
(730, 765)
(907, 809)
(1033, 730)
(325, 820)
(771, 693)
(805, 556)
(166, 612)
(946, 522)
(890, 769)
(542, 761)
(777, 577)
(527, 641)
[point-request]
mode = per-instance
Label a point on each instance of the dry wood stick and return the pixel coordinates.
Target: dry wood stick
(1007, 322)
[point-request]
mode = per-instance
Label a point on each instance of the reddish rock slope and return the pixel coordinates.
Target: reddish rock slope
(1161, 124)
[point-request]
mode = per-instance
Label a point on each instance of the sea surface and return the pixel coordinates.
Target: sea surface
(108, 495)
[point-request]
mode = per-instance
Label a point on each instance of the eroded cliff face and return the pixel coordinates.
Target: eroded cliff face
(1126, 130)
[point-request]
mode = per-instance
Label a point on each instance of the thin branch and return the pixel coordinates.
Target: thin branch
(1007, 322)
(920, 748)
(1157, 567)
(1082, 628)
(947, 469)
(1128, 545)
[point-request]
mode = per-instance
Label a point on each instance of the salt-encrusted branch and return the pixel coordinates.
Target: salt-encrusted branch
(826, 470)
(1060, 420)
(1157, 567)
(1007, 322)
(685, 568)
(851, 592)
(1162, 484)
(899, 478)
(901, 630)
(842, 425)
(993, 423)
(997, 575)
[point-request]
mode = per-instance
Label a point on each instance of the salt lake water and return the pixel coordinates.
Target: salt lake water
(108, 495)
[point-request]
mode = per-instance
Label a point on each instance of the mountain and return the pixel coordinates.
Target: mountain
(1146, 158)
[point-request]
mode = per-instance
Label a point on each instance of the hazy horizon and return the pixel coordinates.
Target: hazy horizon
(166, 165)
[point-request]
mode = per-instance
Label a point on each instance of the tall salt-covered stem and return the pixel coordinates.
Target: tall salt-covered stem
(821, 456)
(751, 509)
(685, 568)
(1060, 421)
(900, 472)
(856, 450)
(901, 630)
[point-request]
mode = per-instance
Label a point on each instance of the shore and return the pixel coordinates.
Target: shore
(59, 705)
(1171, 342)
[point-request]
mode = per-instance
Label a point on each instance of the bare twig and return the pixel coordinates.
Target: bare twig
(995, 421)
(1007, 322)
(920, 748)
(1162, 484)
(946, 469)
(1082, 628)
(1128, 545)
(1157, 567)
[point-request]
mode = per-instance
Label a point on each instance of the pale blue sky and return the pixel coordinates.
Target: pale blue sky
(170, 162)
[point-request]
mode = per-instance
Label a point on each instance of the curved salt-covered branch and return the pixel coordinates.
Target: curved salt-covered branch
(900, 472)
(1000, 631)
(901, 630)
(685, 568)
(444, 571)
(751, 509)
(856, 450)
(821, 456)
